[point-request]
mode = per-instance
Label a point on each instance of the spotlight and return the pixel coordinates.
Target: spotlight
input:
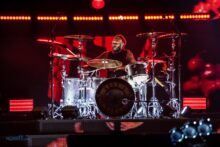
(176, 135)
(204, 127)
(98, 4)
(186, 112)
(189, 130)
(70, 112)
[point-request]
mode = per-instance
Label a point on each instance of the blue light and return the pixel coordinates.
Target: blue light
(176, 135)
(189, 130)
(204, 127)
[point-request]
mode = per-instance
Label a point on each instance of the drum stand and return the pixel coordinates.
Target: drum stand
(173, 103)
(140, 108)
(57, 112)
(86, 108)
(154, 107)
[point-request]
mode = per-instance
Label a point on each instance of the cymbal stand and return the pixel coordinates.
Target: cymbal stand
(154, 107)
(52, 105)
(63, 77)
(86, 107)
(141, 108)
(173, 101)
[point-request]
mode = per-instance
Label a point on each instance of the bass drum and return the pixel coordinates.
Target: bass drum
(115, 97)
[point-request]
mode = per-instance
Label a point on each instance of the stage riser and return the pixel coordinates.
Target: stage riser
(92, 126)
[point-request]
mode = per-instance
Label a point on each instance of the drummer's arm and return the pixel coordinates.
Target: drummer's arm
(130, 57)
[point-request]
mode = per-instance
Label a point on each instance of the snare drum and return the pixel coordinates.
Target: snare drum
(137, 72)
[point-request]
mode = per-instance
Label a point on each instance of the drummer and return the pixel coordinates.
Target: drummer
(120, 53)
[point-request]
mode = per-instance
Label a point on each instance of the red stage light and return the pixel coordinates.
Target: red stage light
(195, 103)
(21, 105)
(98, 4)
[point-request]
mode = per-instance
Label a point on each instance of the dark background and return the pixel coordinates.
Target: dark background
(24, 63)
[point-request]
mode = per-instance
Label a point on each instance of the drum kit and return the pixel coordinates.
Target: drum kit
(126, 97)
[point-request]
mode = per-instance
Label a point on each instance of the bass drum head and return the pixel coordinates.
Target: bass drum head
(115, 97)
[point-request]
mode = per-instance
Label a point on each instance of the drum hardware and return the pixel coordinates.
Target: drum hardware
(53, 43)
(154, 107)
(83, 91)
(174, 102)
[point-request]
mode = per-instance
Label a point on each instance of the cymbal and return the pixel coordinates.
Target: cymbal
(65, 56)
(172, 35)
(104, 63)
(49, 41)
(155, 61)
(79, 37)
(150, 34)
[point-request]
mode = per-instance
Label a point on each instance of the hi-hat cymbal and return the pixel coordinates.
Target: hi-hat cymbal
(104, 63)
(172, 35)
(150, 34)
(79, 37)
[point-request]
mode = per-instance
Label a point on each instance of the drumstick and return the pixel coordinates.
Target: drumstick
(158, 82)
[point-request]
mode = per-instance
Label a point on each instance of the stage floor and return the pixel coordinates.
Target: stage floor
(92, 132)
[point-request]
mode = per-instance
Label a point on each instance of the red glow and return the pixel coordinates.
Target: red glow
(98, 4)
(21, 105)
(195, 102)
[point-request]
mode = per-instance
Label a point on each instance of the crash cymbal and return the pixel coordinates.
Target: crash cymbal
(155, 61)
(104, 63)
(150, 34)
(65, 56)
(172, 35)
(79, 37)
(49, 41)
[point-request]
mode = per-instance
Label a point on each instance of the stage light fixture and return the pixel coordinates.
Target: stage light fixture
(98, 4)
(204, 127)
(70, 112)
(190, 130)
(52, 18)
(176, 135)
(14, 18)
(87, 18)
